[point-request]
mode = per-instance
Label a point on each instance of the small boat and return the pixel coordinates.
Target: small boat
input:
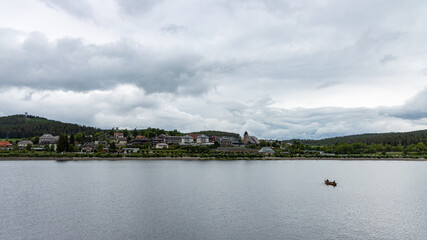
(327, 182)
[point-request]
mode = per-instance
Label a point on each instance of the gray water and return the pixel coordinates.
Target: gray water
(212, 200)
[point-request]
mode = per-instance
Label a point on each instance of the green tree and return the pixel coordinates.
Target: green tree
(35, 140)
(71, 148)
(15, 147)
(79, 138)
(72, 139)
(262, 143)
(111, 132)
(29, 147)
(397, 148)
(420, 147)
(147, 145)
(112, 148)
(151, 134)
(125, 133)
(405, 152)
(46, 148)
(100, 147)
(62, 145)
(216, 144)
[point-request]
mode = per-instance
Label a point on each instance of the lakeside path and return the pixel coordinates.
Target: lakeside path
(204, 159)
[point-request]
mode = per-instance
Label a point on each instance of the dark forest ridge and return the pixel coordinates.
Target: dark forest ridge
(25, 126)
(393, 138)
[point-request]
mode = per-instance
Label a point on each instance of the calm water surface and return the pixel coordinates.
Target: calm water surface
(212, 200)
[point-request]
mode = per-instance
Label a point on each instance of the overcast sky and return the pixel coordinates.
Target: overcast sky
(277, 69)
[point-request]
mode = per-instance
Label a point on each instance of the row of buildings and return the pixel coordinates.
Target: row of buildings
(192, 139)
(89, 144)
(132, 143)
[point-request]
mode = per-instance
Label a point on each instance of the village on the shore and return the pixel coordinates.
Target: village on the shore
(124, 142)
(159, 143)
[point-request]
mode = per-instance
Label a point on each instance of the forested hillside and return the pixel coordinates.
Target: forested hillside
(403, 138)
(21, 126)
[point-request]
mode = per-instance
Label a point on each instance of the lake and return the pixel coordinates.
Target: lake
(213, 200)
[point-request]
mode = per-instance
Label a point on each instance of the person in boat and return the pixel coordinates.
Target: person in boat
(327, 180)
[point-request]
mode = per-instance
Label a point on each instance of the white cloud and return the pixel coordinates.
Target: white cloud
(127, 106)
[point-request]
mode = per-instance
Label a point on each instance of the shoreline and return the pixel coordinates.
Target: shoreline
(206, 159)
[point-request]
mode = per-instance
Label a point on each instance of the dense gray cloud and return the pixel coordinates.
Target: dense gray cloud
(71, 65)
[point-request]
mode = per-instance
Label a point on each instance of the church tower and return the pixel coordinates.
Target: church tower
(246, 138)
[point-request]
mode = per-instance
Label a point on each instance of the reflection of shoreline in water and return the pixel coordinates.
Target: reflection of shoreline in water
(205, 159)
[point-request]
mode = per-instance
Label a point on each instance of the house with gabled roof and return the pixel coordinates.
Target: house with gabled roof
(23, 143)
(194, 135)
(118, 135)
(48, 139)
(202, 138)
(162, 145)
(173, 139)
(5, 145)
(187, 140)
(266, 150)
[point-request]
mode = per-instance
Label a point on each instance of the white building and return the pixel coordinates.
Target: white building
(187, 140)
(202, 139)
(23, 143)
(226, 141)
(173, 139)
(162, 145)
(48, 139)
(266, 150)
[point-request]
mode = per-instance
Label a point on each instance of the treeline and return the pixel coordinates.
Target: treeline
(357, 148)
(21, 126)
(393, 139)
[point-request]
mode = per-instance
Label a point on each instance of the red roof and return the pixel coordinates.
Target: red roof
(117, 134)
(4, 143)
(194, 135)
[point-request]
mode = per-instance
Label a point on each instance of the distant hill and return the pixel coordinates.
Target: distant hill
(394, 138)
(219, 133)
(21, 126)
